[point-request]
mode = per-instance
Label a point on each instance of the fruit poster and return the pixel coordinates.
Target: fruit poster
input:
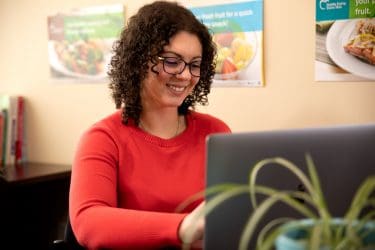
(80, 42)
(237, 30)
(345, 40)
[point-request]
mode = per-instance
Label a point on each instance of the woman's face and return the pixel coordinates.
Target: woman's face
(168, 90)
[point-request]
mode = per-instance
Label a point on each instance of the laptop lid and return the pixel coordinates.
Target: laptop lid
(343, 155)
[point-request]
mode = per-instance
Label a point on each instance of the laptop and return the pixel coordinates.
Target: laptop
(343, 155)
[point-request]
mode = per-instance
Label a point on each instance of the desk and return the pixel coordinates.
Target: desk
(34, 204)
(34, 172)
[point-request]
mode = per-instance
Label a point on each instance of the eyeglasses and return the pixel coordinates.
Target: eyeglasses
(176, 65)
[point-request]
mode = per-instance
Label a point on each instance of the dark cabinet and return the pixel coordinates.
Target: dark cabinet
(33, 205)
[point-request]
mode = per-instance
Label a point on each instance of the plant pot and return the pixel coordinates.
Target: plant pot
(294, 237)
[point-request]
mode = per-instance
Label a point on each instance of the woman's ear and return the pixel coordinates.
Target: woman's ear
(153, 69)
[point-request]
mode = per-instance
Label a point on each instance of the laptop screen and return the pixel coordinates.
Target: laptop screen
(343, 156)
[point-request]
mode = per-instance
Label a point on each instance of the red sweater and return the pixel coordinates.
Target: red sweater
(126, 184)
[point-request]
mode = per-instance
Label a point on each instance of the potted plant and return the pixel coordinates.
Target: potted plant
(318, 230)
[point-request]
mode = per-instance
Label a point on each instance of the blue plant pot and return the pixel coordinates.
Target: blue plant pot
(294, 238)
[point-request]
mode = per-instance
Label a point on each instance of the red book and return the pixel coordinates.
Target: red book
(2, 137)
(20, 130)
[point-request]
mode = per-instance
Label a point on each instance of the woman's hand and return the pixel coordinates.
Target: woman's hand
(191, 230)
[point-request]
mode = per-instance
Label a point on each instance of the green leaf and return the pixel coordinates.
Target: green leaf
(270, 232)
(282, 163)
(361, 198)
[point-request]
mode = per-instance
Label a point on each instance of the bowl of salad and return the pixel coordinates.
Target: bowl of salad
(235, 52)
(81, 58)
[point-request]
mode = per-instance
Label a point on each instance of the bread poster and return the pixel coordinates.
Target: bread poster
(345, 40)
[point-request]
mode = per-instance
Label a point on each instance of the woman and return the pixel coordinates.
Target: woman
(135, 167)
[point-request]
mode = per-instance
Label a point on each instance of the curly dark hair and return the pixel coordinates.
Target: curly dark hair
(141, 41)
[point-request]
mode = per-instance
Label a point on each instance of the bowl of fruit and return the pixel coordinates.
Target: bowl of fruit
(235, 52)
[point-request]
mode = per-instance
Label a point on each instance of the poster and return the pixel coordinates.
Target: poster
(237, 30)
(345, 40)
(80, 42)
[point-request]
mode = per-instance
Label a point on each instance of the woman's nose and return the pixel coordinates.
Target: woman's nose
(185, 74)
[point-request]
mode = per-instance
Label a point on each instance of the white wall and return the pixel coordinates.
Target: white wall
(57, 114)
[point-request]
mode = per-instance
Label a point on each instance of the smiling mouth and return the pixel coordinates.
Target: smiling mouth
(176, 88)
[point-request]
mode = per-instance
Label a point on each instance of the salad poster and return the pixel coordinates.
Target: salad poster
(345, 40)
(237, 30)
(80, 42)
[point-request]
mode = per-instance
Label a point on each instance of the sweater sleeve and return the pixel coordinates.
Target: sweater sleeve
(96, 220)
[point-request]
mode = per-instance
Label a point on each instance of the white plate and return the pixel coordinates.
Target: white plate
(338, 36)
(57, 65)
